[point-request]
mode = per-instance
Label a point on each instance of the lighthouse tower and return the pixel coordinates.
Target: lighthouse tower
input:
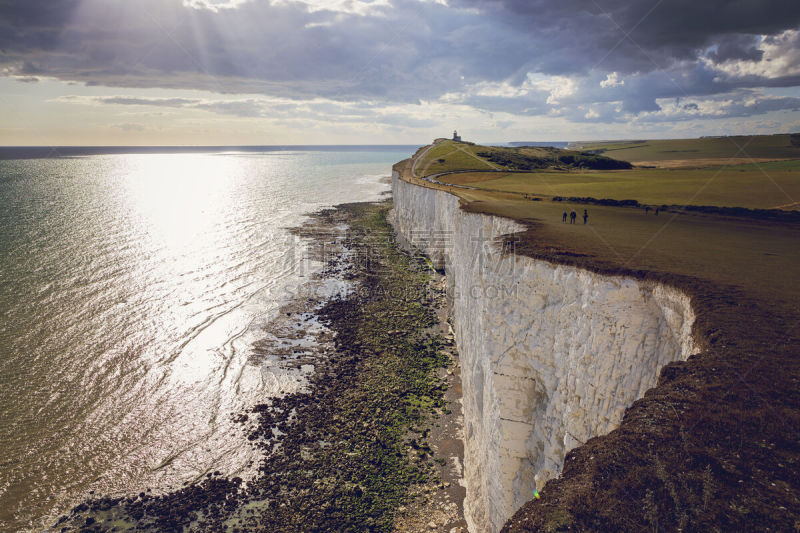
(456, 136)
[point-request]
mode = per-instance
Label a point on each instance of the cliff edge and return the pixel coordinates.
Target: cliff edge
(626, 399)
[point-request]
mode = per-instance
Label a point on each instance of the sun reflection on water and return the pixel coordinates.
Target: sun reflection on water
(180, 199)
(183, 203)
(140, 285)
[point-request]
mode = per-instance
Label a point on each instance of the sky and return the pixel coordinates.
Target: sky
(259, 72)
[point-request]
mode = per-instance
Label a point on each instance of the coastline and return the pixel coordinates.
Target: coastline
(368, 438)
(125, 360)
(389, 477)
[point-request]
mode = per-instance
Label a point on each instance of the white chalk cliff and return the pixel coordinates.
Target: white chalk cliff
(551, 355)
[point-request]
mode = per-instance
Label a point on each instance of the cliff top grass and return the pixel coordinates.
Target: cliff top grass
(751, 252)
(449, 156)
(769, 185)
(680, 152)
(754, 255)
(715, 445)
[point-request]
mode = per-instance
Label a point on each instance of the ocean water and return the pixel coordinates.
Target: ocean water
(132, 289)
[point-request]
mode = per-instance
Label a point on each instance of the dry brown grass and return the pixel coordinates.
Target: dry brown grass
(707, 162)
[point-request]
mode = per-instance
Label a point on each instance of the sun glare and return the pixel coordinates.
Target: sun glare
(178, 198)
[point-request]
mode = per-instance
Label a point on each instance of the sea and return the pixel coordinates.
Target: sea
(134, 284)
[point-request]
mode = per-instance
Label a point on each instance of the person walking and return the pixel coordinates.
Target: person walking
(564, 218)
(585, 216)
(647, 210)
(572, 217)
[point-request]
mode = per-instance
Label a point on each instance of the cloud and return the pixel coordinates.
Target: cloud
(740, 104)
(238, 108)
(314, 110)
(774, 57)
(129, 127)
(353, 7)
(559, 87)
(642, 36)
(291, 49)
(214, 5)
(131, 100)
(574, 58)
(736, 47)
(612, 80)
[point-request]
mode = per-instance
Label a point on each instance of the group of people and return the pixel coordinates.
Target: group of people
(573, 215)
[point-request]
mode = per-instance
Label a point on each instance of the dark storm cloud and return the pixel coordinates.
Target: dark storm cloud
(639, 35)
(412, 50)
(281, 49)
(733, 47)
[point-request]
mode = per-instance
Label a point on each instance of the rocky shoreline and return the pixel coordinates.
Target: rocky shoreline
(367, 435)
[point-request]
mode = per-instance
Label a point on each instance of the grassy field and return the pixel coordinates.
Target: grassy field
(446, 155)
(782, 146)
(771, 185)
(757, 257)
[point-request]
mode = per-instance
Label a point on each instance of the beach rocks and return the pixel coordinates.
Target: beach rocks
(335, 453)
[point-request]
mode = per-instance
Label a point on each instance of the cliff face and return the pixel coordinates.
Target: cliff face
(551, 355)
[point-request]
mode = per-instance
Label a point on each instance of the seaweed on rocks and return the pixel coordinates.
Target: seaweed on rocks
(342, 454)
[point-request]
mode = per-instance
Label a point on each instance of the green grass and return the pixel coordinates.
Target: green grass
(763, 185)
(449, 156)
(757, 146)
(452, 156)
(749, 253)
(762, 257)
